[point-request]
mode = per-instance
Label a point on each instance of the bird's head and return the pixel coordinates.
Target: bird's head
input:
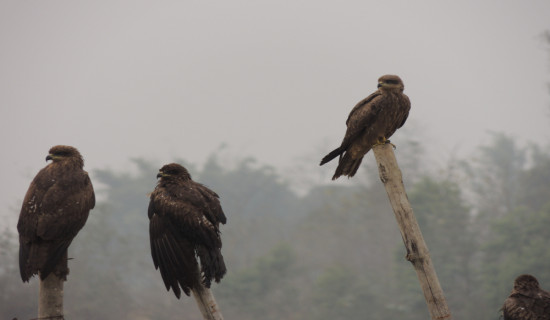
(173, 171)
(391, 82)
(65, 154)
(526, 281)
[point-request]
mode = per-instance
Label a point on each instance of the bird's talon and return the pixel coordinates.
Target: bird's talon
(388, 142)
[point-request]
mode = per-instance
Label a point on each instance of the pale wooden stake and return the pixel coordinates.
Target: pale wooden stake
(50, 298)
(417, 251)
(207, 304)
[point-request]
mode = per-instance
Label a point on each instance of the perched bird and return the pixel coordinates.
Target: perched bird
(372, 121)
(55, 208)
(527, 301)
(184, 218)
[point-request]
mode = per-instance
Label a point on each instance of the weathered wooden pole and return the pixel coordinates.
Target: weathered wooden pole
(417, 251)
(50, 298)
(207, 304)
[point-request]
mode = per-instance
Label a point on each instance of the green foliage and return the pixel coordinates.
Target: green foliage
(16, 298)
(518, 245)
(97, 255)
(493, 175)
(534, 186)
(250, 190)
(265, 290)
(335, 253)
(445, 223)
(512, 232)
(339, 293)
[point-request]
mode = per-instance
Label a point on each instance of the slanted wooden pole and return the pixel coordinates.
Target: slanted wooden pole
(50, 298)
(207, 304)
(417, 251)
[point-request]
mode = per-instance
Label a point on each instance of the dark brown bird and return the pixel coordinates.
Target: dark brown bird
(527, 301)
(184, 224)
(55, 208)
(372, 121)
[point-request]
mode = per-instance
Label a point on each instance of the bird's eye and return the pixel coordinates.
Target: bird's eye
(392, 81)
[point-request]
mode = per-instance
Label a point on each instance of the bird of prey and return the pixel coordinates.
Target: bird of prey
(184, 218)
(372, 121)
(527, 301)
(55, 208)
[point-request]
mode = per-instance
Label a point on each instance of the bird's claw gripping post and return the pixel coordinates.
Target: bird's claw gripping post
(382, 141)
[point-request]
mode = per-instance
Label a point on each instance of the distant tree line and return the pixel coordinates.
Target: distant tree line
(334, 253)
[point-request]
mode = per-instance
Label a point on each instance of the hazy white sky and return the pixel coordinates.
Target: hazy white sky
(274, 80)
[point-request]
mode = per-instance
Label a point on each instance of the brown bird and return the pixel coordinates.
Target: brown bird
(372, 121)
(527, 301)
(184, 224)
(55, 208)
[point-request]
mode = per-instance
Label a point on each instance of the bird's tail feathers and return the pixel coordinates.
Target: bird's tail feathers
(353, 169)
(333, 154)
(56, 261)
(347, 166)
(212, 264)
(43, 258)
(24, 266)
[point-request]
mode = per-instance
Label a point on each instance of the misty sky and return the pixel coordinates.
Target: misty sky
(274, 80)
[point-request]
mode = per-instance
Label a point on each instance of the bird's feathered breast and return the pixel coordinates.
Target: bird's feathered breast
(54, 209)
(380, 114)
(527, 303)
(519, 307)
(184, 219)
(192, 208)
(57, 203)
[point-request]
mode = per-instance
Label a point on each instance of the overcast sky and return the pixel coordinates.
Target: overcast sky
(274, 80)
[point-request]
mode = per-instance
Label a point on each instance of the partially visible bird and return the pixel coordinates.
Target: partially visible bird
(54, 210)
(184, 224)
(527, 301)
(372, 121)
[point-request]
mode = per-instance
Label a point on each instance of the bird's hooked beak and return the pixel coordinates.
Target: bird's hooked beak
(379, 84)
(49, 157)
(161, 174)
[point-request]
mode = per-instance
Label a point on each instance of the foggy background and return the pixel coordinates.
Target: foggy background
(274, 80)
(263, 89)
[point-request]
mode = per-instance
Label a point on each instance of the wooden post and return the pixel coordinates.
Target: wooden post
(417, 251)
(50, 298)
(207, 304)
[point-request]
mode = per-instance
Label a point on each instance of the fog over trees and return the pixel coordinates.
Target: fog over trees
(129, 80)
(333, 253)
